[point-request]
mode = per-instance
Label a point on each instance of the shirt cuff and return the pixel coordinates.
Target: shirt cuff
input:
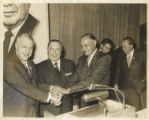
(49, 97)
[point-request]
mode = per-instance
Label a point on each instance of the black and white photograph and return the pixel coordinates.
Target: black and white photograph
(74, 60)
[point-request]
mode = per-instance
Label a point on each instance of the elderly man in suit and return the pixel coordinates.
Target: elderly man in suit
(17, 20)
(20, 83)
(93, 67)
(56, 70)
(130, 73)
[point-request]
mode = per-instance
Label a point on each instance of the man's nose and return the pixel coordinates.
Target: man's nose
(27, 51)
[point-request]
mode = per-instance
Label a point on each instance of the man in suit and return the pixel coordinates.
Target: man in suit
(130, 74)
(20, 83)
(106, 46)
(17, 20)
(92, 68)
(56, 70)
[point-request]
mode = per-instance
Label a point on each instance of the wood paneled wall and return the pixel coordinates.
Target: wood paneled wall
(68, 22)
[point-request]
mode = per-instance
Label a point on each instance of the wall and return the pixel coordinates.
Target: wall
(68, 22)
(41, 33)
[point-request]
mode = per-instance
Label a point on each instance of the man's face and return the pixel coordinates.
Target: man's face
(105, 48)
(54, 51)
(24, 48)
(14, 14)
(88, 46)
(126, 47)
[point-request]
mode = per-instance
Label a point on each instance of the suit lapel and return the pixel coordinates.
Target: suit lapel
(94, 61)
(22, 70)
(133, 59)
(51, 67)
(125, 62)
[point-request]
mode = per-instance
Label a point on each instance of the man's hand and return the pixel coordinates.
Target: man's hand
(58, 89)
(116, 86)
(56, 98)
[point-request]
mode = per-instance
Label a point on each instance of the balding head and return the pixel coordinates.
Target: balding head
(88, 44)
(24, 46)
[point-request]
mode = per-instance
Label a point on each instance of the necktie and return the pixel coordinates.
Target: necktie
(8, 36)
(29, 69)
(88, 61)
(56, 67)
(128, 60)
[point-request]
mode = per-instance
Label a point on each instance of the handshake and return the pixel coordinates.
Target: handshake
(57, 93)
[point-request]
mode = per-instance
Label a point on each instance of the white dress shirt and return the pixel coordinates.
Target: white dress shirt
(130, 54)
(14, 33)
(89, 59)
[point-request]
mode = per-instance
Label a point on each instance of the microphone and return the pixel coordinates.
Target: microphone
(106, 87)
(89, 97)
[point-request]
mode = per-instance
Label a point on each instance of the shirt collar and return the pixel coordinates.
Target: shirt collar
(92, 55)
(131, 52)
(53, 62)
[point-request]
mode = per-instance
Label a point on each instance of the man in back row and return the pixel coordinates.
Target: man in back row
(130, 73)
(20, 83)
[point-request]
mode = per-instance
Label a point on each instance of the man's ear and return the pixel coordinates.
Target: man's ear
(131, 46)
(94, 42)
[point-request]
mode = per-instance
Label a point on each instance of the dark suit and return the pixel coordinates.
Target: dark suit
(130, 79)
(49, 76)
(97, 73)
(27, 27)
(116, 54)
(20, 90)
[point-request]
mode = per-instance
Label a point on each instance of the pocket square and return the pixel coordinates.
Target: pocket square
(67, 74)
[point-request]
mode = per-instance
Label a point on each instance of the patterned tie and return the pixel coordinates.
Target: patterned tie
(8, 36)
(56, 67)
(129, 60)
(29, 69)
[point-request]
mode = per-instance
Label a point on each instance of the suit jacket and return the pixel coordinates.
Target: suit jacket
(116, 54)
(27, 27)
(49, 76)
(97, 73)
(131, 77)
(20, 90)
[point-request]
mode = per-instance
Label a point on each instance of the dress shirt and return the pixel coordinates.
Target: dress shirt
(14, 33)
(89, 59)
(58, 64)
(130, 55)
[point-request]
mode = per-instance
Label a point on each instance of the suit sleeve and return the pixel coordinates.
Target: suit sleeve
(100, 71)
(15, 79)
(41, 83)
(117, 72)
(75, 77)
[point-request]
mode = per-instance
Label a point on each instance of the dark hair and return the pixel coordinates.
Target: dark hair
(108, 41)
(62, 47)
(130, 41)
